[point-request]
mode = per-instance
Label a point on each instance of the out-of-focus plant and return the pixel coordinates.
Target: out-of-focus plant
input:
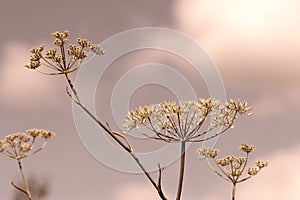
(39, 189)
(231, 168)
(20, 145)
(170, 122)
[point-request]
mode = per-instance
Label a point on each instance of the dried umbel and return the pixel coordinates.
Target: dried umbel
(62, 59)
(20, 145)
(231, 168)
(174, 122)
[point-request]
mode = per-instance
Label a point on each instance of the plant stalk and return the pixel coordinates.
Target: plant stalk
(233, 191)
(181, 173)
(128, 149)
(24, 180)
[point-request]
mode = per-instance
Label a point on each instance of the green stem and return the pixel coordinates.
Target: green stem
(181, 173)
(24, 180)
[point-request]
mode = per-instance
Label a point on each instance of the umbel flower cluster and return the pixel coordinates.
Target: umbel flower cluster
(20, 145)
(174, 122)
(62, 59)
(231, 168)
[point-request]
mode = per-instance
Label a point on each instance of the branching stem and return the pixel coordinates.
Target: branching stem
(127, 147)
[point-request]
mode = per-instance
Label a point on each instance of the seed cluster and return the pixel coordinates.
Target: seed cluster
(19, 145)
(172, 122)
(231, 168)
(62, 59)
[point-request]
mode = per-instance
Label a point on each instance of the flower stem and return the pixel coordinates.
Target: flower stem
(24, 180)
(233, 191)
(181, 173)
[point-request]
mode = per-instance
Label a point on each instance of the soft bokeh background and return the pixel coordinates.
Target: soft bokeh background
(254, 43)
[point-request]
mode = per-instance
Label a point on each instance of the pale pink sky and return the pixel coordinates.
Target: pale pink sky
(255, 44)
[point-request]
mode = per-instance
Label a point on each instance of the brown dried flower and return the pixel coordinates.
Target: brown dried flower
(247, 148)
(66, 59)
(212, 153)
(18, 145)
(231, 168)
(174, 122)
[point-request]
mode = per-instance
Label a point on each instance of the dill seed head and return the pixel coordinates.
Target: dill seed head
(173, 122)
(64, 58)
(20, 145)
(231, 168)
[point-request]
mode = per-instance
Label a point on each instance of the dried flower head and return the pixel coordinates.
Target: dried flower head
(252, 171)
(64, 60)
(247, 148)
(211, 153)
(40, 133)
(231, 168)
(238, 105)
(173, 122)
(261, 164)
(19, 145)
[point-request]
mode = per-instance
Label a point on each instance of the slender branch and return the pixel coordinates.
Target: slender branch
(223, 170)
(112, 134)
(219, 133)
(40, 148)
(233, 191)
(187, 127)
(71, 62)
(181, 173)
(24, 180)
(234, 178)
(199, 135)
(186, 120)
(157, 186)
(181, 132)
(162, 136)
(198, 126)
(63, 54)
(245, 163)
(216, 171)
(49, 73)
(173, 124)
(18, 188)
(159, 176)
(246, 178)
(50, 65)
(104, 127)
(158, 136)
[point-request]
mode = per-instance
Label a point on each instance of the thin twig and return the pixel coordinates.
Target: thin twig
(233, 191)
(106, 128)
(18, 188)
(181, 173)
(24, 180)
(216, 171)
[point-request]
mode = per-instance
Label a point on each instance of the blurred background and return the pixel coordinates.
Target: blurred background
(254, 43)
